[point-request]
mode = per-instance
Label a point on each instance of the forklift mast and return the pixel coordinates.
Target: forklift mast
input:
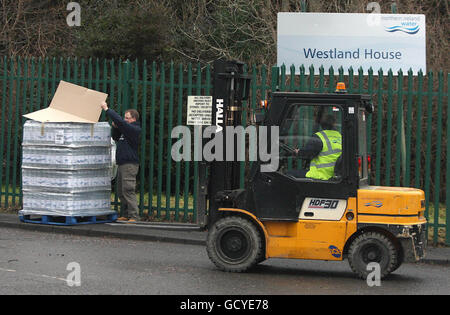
(230, 89)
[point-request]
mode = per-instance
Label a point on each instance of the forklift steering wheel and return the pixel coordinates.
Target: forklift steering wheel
(286, 147)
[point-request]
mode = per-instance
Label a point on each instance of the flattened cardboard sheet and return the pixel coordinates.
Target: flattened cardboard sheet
(71, 103)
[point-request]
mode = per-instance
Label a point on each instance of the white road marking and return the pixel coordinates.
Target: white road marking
(35, 275)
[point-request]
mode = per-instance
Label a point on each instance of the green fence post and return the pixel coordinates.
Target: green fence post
(46, 80)
(275, 79)
(68, 71)
(447, 194)
(112, 101)
(428, 141)
(126, 85)
(83, 72)
(187, 163)
(97, 74)
(291, 78)
(75, 76)
(282, 78)
(407, 181)
(253, 99)
(263, 86)
(135, 84)
(104, 81)
(89, 79)
(53, 81)
(179, 122)
(199, 130)
(302, 78)
(379, 109)
(369, 118)
(350, 78)
(22, 121)
(394, 7)
(2, 132)
(243, 145)
(14, 77)
(321, 79)
(16, 130)
(38, 87)
(418, 164)
(389, 128)
(142, 168)
(160, 136)
(32, 81)
(331, 83)
(169, 139)
(152, 138)
(303, 6)
(17, 122)
(437, 172)
(400, 141)
(311, 79)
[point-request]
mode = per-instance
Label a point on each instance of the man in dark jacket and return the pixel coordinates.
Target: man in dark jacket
(126, 132)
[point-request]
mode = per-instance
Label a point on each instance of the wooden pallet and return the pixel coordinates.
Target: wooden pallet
(68, 220)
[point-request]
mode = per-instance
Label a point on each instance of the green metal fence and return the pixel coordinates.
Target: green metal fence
(408, 132)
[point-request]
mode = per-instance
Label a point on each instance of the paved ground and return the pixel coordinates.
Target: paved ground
(37, 262)
(163, 232)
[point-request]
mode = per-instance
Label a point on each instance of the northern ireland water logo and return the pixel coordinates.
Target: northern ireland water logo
(408, 28)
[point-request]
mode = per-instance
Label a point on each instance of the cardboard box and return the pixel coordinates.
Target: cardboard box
(71, 103)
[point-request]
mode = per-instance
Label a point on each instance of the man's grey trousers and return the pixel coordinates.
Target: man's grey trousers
(126, 187)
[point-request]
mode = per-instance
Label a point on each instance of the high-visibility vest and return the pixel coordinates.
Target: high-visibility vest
(322, 166)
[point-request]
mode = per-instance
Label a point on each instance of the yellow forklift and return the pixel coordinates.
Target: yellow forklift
(290, 212)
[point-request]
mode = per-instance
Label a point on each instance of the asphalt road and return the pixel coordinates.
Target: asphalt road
(37, 263)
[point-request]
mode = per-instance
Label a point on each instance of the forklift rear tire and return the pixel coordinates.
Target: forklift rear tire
(372, 247)
(234, 244)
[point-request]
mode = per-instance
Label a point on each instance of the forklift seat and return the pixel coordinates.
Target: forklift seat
(338, 169)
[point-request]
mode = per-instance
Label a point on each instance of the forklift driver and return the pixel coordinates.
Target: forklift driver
(323, 150)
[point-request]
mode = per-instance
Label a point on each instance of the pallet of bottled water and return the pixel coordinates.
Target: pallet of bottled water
(68, 135)
(66, 173)
(65, 158)
(66, 181)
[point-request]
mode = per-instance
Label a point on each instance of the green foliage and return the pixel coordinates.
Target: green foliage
(138, 31)
(232, 29)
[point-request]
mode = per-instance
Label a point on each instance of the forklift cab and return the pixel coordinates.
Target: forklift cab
(282, 193)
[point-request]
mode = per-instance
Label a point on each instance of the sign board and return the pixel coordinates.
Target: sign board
(199, 110)
(387, 41)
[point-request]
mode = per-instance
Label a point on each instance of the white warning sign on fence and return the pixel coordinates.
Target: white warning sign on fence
(199, 110)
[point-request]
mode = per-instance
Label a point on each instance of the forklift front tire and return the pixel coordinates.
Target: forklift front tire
(373, 247)
(234, 244)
